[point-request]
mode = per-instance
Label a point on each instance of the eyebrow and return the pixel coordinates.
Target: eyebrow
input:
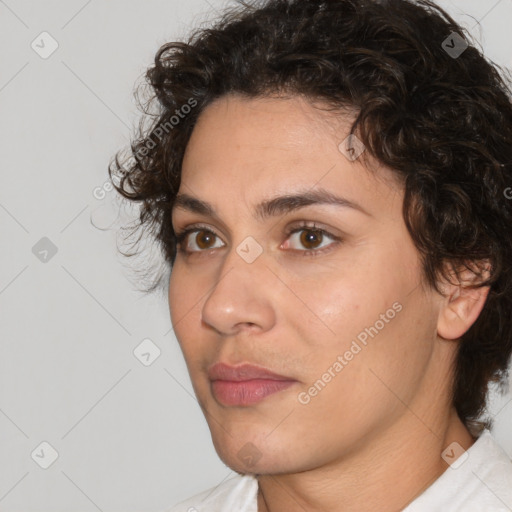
(273, 207)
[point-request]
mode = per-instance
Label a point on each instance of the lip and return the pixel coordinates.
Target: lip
(245, 384)
(244, 372)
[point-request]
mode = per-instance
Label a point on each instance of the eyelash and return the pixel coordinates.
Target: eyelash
(181, 235)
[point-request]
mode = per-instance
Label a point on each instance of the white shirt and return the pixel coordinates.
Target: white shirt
(480, 480)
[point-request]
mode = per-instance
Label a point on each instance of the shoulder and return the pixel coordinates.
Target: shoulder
(479, 480)
(238, 493)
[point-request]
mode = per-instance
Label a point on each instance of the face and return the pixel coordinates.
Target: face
(328, 296)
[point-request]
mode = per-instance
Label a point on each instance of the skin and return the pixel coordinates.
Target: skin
(372, 438)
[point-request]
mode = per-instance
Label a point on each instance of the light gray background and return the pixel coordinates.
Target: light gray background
(129, 437)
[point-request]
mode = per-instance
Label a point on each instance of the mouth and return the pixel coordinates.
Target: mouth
(246, 384)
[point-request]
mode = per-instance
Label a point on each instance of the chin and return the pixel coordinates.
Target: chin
(249, 452)
(261, 467)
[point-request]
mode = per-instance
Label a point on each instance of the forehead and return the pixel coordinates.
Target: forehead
(249, 149)
(271, 123)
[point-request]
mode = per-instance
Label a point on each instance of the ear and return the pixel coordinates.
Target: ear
(461, 304)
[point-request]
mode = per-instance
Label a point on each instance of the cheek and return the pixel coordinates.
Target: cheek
(375, 303)
(186, 295)
(181, 302)
(182, 296)
(373, 384)
(387, 345)
(350, 296)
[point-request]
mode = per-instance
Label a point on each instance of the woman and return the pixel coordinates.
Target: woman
(326, 180)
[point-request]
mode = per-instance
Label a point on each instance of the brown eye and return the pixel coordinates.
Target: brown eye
(309, 241)
(311, 238)
(204, 238)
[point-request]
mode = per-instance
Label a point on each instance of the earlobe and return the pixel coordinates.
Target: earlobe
(461, 306)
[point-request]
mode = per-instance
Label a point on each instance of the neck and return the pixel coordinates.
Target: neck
(387, 473)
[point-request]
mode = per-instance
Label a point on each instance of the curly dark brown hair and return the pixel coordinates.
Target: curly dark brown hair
(428, 105)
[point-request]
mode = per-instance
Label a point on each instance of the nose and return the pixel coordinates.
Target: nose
(242, 296)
